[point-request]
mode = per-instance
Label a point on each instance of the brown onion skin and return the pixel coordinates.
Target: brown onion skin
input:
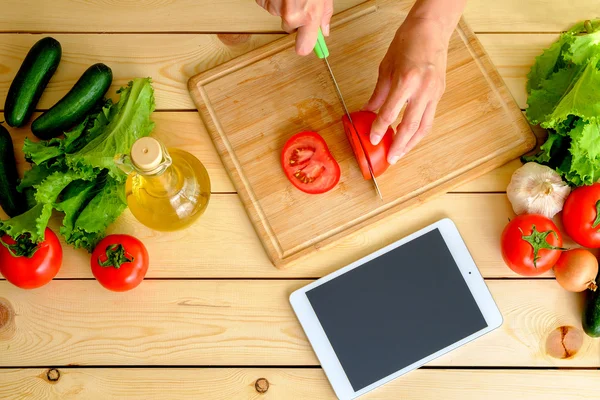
(576, 270)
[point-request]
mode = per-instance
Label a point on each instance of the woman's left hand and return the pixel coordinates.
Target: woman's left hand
(412, 73)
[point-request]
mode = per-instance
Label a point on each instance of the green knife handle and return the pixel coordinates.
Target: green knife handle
(321, 49)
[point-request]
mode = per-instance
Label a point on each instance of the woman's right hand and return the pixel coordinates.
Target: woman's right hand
(306, 16)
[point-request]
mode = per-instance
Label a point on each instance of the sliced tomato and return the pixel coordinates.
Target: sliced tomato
(376, 155)
(308, 164)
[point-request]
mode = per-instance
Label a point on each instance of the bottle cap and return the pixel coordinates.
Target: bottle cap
(146, 154)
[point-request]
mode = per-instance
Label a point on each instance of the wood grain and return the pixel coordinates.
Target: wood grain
(513, 56)
(171, 59)
(290, 383)
(223, 244)
(245, 16)
(237, 99)
(240, 322)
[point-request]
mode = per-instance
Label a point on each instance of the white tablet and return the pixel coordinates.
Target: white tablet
(396, 309)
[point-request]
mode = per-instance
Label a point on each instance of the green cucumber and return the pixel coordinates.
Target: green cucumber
(31, 80)
(591, 312)
(12, 202)
(73, 108)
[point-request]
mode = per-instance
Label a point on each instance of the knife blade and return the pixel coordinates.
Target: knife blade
(322, 52)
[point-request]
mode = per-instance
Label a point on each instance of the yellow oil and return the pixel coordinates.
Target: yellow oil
(171, 200)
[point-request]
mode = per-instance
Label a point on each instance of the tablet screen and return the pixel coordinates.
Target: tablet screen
(396, 309)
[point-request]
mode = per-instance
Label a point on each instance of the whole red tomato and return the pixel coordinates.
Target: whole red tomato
(120, 262)
(30, 266)
(531, 244)
(581, 215)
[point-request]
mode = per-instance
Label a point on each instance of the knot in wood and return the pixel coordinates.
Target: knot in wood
(261, 385)
(564, 342)
(6, 313)
(231, 39)
(53, 375)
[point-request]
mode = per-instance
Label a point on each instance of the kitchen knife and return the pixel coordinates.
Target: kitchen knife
(322, 52)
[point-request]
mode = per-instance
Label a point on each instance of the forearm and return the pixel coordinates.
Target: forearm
(445, 13)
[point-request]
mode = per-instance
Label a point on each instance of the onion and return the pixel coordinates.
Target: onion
(576, 270)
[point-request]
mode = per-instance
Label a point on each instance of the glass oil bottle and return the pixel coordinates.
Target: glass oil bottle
(166, 190)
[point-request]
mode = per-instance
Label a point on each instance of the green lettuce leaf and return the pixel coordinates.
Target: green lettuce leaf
(564, 97)
(32, 222)
(582, 99)
(102, 210)
(42, 151)
(543, 100)
(547, 63)
(585, 151)
(49, 189)
(552, 149)
(129, 121)
(584, 44)
(74, 198)
(88, 130)
(34, 176)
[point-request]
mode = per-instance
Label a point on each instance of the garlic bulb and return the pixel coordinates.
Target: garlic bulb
(537, 189)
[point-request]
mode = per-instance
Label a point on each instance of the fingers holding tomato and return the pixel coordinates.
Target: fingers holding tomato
(531, 244)
(27, 265)
(120, 262)
(375, 155)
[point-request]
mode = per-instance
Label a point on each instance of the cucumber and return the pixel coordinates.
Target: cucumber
(76, 104)
(591, 312)
(12, 202)
(31, 80)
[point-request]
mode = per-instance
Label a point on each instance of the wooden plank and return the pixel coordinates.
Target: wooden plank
(245, 16)
(171, 59)
(146, 16)
(253, 104)
(236, 322)
(513, 55)
(223, 244)
(528, 16)
(290, 383)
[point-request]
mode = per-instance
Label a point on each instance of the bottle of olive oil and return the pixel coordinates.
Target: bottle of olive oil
(167, 189)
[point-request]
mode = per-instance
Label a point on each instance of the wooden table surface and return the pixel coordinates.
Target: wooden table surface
(212, 319)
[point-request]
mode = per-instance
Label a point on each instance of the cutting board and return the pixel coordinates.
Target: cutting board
(254, 103)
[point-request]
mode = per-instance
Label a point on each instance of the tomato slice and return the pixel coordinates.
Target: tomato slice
(308, 164)
(377, 155)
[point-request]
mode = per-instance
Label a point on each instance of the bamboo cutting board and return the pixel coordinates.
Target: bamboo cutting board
(254, 103)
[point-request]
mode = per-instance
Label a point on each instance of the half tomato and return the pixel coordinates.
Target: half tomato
(376, 155)
(308, 164)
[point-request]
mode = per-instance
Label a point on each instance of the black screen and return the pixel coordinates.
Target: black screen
(396, 309)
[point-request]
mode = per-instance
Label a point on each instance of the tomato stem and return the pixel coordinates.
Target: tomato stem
(23, 247)
(597, 220)
(115, 256)
(538, 240)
